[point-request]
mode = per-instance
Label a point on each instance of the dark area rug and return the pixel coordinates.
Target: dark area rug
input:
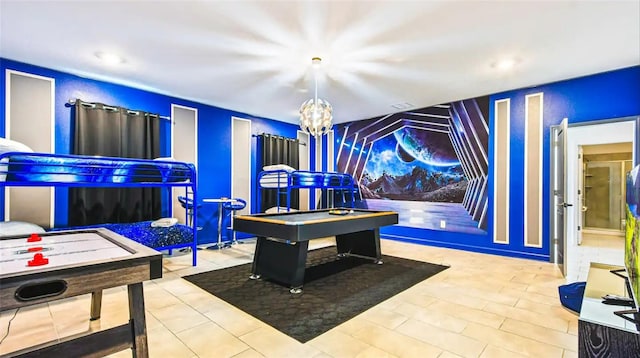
(335, 290)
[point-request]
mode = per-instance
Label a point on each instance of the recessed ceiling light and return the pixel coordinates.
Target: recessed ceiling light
(505, 64)
(109, 58)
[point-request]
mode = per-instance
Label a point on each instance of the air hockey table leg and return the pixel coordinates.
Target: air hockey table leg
(140, 347)
(96, 304)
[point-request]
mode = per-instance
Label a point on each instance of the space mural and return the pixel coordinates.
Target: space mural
(431, 161)
(413, 165)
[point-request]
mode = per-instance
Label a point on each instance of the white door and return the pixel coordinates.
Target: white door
(559, 169)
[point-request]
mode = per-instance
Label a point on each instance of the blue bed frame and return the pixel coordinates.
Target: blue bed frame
(61, 170)
(284, 181)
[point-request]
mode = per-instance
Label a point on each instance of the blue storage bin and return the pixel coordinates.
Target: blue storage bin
(571, 295)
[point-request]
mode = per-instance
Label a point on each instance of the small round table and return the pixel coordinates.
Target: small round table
(219, 245)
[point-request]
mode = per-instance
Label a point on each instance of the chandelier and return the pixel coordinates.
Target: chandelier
(316, 114)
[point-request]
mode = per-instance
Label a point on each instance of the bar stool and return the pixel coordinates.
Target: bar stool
(187, 204)
(232, 207)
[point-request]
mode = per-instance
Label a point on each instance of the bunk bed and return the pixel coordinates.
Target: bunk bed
(27, 169)
(284, 179)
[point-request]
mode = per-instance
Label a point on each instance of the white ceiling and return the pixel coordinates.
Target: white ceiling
(255, 56)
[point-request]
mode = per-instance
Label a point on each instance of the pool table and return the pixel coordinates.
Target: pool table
(283, 239)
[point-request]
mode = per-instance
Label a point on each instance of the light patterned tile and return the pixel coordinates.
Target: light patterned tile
(150, 321)
(373, 352)
(178, 317)
(233, 320)
(67, 324)
(448, 355)
(573, 327)
(113, 314)
(547, 289)
(433, 317)
(511, 342)
(395, 343)
(495, 282)
(177, 286)
(555, 310)
(77, 304)
(249, 353)
(526, 278)
(354, 325)
(558, 324)
(455, 294)
(338, 344)
(446, 340)
(156, 297)
(531, 296)
(28, 328)
(570, 354)
(541, 334)
(485, 291)
(496, 352)
(272, 343)
(200, 300)
(320, 355)
(390, 304)
(418, 299)
(163, 343)
(72, 315)
(468, 314)
(383, 317)
(209, 340)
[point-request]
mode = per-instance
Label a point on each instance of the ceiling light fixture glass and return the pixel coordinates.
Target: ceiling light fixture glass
(316, 114)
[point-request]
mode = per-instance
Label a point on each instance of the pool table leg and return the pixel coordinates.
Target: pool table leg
(362, 243)
(281, 262)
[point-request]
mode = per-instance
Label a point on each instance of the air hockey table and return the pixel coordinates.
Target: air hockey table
(39, 268)
(283, 239)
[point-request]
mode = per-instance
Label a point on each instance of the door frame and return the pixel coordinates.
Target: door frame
(52, 133)
(572, 181)
(558, 155)
(176, 209)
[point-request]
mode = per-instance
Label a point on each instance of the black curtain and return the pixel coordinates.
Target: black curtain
(272, 150)
(114, 132)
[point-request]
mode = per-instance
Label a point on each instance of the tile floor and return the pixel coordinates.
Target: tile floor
(483, 306)
(595, 247)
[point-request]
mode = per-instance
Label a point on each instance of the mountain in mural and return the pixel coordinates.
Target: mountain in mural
(419, 185)
(386, 184)
(452, 193)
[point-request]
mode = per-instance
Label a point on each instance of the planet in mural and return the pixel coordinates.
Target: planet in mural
(432, 148)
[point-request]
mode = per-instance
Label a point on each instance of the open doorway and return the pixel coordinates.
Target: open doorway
(602, 198)
(598, 154)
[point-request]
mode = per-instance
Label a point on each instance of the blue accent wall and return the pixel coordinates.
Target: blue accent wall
(214, 132)
(602, 96)
(596, 97)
